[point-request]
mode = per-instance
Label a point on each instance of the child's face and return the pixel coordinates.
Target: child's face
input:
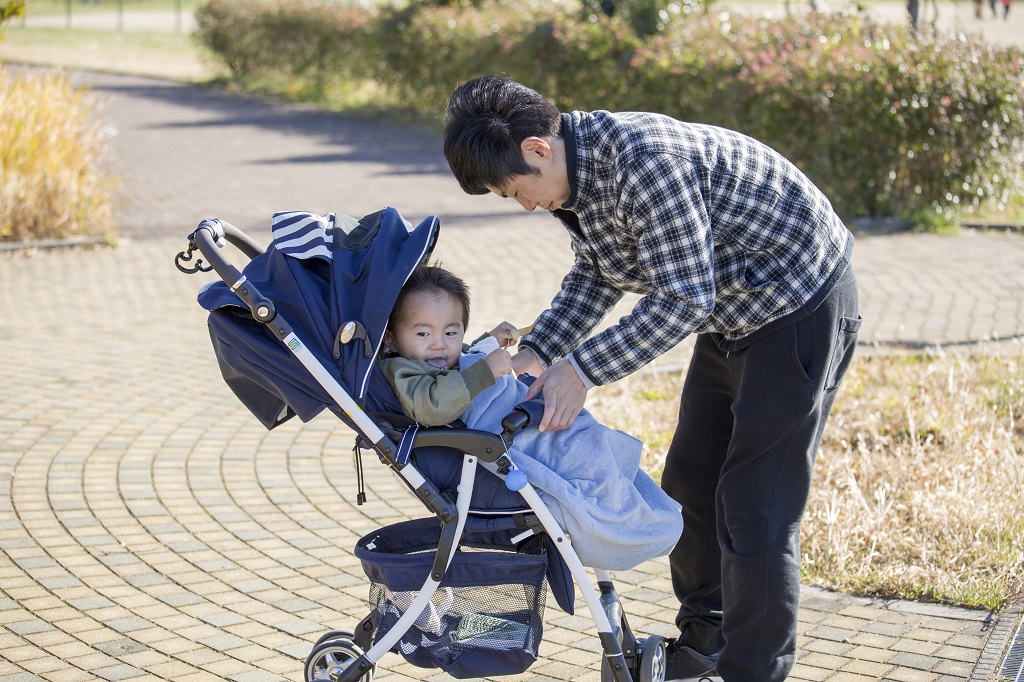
(429, 329)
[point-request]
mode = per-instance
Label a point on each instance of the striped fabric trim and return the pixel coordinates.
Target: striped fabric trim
(405, 445)
(301, 234)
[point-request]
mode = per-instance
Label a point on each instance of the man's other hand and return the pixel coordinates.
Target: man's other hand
(564, 395)
(526, 361)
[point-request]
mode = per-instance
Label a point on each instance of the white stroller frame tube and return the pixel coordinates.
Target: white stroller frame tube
(564, 546)
(331, 385)
(615, 659)
(425, 489)
(422, 599)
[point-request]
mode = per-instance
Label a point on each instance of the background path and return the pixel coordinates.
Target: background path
(947, 16)
(150, 529)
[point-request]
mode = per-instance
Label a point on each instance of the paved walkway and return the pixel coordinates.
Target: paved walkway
(150, 529)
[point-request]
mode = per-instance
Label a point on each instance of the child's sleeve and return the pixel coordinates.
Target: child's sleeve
(435, 399)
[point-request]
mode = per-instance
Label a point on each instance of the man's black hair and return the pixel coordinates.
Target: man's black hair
(486, 120)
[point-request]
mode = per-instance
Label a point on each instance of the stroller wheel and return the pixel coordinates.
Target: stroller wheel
(336, 634)
(653, 660)
(329, 655)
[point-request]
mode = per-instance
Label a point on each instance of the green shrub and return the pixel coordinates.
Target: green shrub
(581, 64)
(574, 63)
(298, 47)
(644, 17)
(432, 49)
(886, 121)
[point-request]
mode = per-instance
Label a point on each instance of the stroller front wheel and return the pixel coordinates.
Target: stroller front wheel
(332, 655)
(336, 634)
(653, 660)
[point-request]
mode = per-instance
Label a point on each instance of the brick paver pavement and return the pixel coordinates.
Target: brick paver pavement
(150, 529)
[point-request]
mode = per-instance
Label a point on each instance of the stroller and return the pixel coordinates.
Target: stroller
(298, 330)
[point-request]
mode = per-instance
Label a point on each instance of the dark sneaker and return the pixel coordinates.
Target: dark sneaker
(685, 663)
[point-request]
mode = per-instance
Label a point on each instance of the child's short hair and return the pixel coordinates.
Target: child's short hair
(432, 279)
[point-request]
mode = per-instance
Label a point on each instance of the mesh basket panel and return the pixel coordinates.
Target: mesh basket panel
(501, 620)
(486, 617)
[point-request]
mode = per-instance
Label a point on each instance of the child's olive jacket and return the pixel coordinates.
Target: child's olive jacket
(431, 395)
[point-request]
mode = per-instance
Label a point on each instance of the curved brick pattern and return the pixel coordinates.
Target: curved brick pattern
(929, 290)
(151, 530)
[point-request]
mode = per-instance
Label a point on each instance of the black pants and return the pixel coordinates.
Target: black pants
(750, 423)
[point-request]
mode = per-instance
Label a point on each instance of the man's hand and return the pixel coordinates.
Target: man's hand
(564, 395)
(499, 361)
(527, 361)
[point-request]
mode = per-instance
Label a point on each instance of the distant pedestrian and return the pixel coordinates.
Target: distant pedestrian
(1006, 9)
(977, 8)
(995, 12)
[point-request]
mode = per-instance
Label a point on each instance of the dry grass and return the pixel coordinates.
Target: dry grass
(51, 147)
(918, 483)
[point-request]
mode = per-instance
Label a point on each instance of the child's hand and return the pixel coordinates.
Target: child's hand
(506, 334)
(499, 361)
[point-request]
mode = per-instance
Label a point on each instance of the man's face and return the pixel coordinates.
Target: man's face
(549, 188)
(532, 191)
(430, 330)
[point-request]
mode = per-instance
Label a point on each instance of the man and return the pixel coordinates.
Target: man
(725, 239)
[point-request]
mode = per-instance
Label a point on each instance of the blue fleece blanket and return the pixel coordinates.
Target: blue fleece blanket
(589, 476)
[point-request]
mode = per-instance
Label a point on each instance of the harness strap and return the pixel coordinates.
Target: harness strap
(405, 445)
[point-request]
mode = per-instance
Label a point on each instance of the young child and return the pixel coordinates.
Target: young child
(589, 476)
(424, 344)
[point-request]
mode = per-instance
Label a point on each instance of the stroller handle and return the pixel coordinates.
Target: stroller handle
(211, 235)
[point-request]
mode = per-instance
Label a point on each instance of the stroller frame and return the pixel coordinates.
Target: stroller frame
(346, 657)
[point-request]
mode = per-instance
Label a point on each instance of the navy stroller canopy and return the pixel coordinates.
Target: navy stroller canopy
(334, 278)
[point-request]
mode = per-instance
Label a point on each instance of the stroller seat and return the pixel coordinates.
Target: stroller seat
(298, 331)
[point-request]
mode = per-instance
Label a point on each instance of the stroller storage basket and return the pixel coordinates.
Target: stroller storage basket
(486, 616)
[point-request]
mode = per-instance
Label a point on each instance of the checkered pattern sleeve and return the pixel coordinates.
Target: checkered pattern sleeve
(675, 247)
(583, 301)
(717, 233)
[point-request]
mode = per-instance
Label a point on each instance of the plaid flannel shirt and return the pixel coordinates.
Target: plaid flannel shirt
(717, 232)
